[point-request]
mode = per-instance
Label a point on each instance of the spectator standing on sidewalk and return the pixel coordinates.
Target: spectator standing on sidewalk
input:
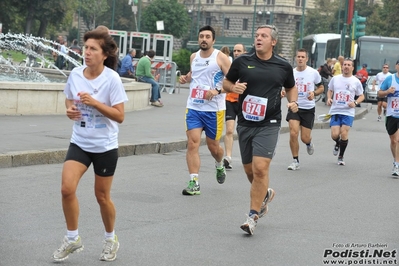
(206, 106)
(337, 69)
(232, 107)
(381, 101)
(326, 74)
(92, 91)
(342, 91)
(258, 78)
(309, 84)
(390, 89)
(144, 74)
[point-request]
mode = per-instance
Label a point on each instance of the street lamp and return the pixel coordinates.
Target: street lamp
(113, 15)
(253, 20)
(302, 22)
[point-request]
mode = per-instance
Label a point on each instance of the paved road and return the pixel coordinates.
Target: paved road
(316, 209)
(31, 140)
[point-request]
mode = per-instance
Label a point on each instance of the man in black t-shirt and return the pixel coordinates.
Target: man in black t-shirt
(258, 78)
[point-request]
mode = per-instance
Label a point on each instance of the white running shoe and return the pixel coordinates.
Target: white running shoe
(395, 170)
(294, 165)
(110, 248)
(250, 224)
(335, 150)
(269, 197)
(310, 148)
(341, 161)
(67, 248)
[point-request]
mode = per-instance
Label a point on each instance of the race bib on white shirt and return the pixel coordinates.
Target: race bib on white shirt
(254, 108)
(342, 98)
(198, 94)
(394, 104)
(303, 90)
(88, 119)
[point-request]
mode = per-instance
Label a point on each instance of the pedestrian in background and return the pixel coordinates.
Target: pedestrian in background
(126, 69)
(144, 74)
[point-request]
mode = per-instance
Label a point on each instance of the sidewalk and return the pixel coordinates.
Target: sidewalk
(44, 139)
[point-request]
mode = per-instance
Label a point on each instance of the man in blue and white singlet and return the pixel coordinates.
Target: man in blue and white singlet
(390, 89)
(205, 106)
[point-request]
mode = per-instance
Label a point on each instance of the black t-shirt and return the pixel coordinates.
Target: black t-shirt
(264, 78)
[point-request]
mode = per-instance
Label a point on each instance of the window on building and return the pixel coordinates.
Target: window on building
(228, 2)
(299, 3)
(270, 2)
(208, 21)
(210, 1)
(247, 2)
(245, 24)
(226, 24)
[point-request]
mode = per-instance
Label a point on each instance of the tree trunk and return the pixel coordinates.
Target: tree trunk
(29, 17)
(42, 27)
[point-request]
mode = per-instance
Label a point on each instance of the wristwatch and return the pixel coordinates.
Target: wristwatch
(219, 90)
(356, 102)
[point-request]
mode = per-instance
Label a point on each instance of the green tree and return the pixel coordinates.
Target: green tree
(182, 60)
(91, 10)
(173, 14)
(322, 19)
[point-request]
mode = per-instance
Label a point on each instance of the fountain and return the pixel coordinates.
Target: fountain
(28, 90)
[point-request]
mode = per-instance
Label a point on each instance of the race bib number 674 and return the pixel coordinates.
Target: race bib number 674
(254, 108)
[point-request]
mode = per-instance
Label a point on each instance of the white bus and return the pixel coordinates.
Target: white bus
(375, 51)
(315, 45)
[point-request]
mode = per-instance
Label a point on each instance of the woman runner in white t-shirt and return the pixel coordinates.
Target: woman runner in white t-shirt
(95, 101)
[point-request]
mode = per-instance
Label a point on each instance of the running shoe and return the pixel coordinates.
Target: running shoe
(220, 174)
(67, 248)
(110, 248)
(250, 224)
(294, 165)
(341, 161)
(269, 197)
(379, 118)
(336, 150)
(395, 170)
(192, 189)
(227, 163)
(310, 148)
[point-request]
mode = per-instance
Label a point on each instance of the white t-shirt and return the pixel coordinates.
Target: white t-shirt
(380, 77)
(305, 82)
(206, 75)
(94, 132)
(344, 91)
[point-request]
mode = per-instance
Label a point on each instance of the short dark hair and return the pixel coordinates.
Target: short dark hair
(151, 53)
(207, 27)
(303, 50)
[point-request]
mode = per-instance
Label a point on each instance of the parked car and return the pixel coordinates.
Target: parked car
(370, 95)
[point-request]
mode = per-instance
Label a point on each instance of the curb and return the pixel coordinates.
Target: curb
(55, 156)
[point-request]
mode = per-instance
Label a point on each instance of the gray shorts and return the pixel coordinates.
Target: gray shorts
(257, 141)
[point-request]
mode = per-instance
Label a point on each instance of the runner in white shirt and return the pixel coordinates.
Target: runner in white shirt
(308, 82)
(342, 90)
(379, 78)
(95, 100)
